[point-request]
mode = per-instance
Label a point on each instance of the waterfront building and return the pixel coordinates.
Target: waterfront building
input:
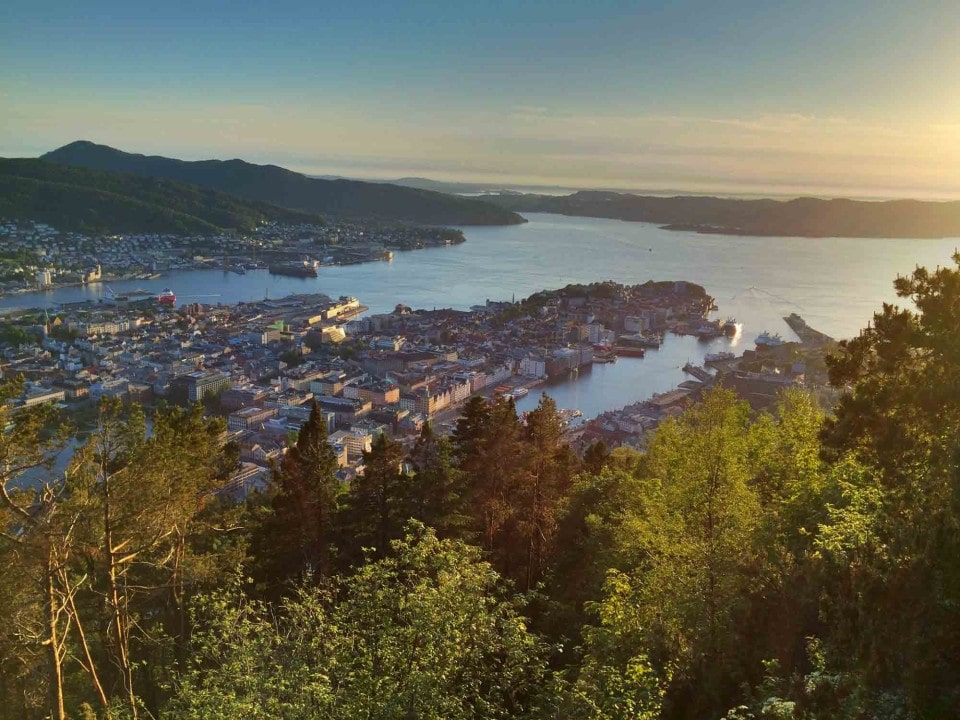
(533, 367)
(44, 278)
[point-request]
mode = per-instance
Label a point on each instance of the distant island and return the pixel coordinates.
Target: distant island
(287, 189)
(801, 217)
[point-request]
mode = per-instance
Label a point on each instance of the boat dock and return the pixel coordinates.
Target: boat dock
(807, 335)
(698, 372)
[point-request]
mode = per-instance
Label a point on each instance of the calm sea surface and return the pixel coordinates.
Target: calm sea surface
(835, 284)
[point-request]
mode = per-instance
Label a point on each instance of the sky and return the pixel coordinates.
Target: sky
(848, 97)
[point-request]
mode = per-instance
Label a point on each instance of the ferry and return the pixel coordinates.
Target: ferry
(765, 339)
(520, 392)
(167, 297)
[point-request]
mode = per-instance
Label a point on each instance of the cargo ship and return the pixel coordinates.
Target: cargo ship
(294, 269)
(167, 297)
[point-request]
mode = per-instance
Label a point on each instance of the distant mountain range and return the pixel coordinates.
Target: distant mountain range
(86, 200)
(288, 189)
(92, 187)
(801, 217)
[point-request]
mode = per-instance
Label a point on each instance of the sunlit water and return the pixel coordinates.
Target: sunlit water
(835, 284)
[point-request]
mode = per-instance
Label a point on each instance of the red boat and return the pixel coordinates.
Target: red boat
(167, 297)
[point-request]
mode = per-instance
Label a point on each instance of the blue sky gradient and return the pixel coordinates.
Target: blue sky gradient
(846, 96)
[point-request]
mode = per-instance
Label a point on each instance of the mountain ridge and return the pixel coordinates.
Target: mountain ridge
(73, 198)
(288, 189)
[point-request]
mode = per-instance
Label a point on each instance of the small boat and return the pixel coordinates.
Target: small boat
(731, 328)
(167, 297)
(602, 354)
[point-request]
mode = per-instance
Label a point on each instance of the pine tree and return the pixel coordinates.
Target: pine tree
(296, 538)
(375, 507)
(36, 537)
(493, 474)
(595, 457)
(469, 432)
(549, 469)
(434, 494)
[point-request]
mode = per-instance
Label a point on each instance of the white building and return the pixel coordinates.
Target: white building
(533, 367)
(44, 278)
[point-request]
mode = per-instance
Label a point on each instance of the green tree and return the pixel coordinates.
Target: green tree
(426, 632)
(297, 536)
(588, 539)
(375, 504)
(435, 493)
(595, 457)
(615, 680)
(469, 432)
(692, 549)
(900, 418)
(550, 467)
(139, 492)
(494, 471)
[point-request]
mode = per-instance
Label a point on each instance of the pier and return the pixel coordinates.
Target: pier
(698, 372)
(807, 335)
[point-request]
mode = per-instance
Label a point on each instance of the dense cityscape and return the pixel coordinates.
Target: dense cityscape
(35, 255)
(261, 365)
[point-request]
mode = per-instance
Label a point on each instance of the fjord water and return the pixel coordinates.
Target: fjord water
(834, 283)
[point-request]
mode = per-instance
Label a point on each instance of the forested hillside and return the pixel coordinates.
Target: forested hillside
(285, 188)
(85, 200)
(784, 565)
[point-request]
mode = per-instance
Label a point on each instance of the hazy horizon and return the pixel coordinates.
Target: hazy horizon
(851, 101)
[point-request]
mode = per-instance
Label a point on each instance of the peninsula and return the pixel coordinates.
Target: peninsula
(801, 217)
